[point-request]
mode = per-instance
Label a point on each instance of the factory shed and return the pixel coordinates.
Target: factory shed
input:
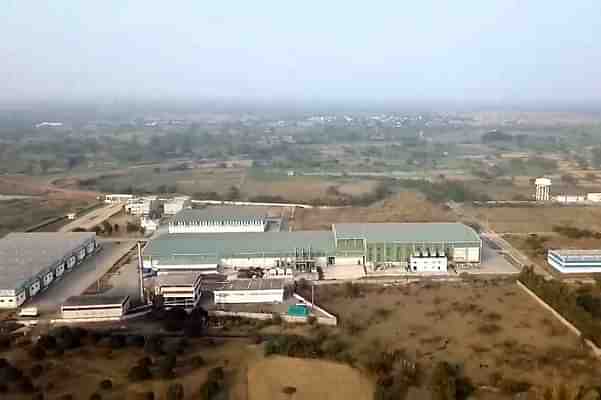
(205, 251)
(31, 262)
(219, 220)
(95, 307)
(249, 291)
(365, 243)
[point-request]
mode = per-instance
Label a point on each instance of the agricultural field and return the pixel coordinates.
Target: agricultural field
(537, 219)
(402, 207)
(498, 335)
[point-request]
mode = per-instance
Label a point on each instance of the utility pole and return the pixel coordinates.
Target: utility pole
(312, 295)
(140, 273)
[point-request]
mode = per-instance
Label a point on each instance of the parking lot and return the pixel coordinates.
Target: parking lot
(80, 278)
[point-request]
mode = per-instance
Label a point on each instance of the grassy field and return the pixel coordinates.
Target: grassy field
(312, 379)
(492, 329)
(404, 207)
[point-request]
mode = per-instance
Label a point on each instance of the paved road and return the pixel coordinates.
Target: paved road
(83, 276)
(93, 218)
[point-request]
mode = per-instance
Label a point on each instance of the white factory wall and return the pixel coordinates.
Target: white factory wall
(216, 228)
(595, 197)
(264, 262)
(566, 268)
(97, 312)
(249, 296)
(349, 260)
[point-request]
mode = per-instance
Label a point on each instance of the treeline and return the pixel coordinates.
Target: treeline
(581, 307)
(576, 233)
(447, 190)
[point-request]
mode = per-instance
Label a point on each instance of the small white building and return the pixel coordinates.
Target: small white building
(593, 197)
(117, 198)
(179, 289)
(575, 261)
(94, 306)
(175, 205)
(543, 189)
(428, 264)
(243, 291)
(219, 220)
(142, 205)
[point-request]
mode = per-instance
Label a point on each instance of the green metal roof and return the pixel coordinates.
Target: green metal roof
(210, 247)
(407, 232)
(219, 213)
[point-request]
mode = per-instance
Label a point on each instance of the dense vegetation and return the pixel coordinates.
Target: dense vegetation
(581, 307)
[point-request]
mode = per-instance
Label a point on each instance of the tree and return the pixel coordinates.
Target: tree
(116, 228)
(139, 373)
(107, 228)
(233, 193)
(175, 392)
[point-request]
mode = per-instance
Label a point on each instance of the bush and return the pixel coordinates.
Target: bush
(38, 396)
(3, 388)
(4, 363)
(36, 371)
(166, 365)
(37, 352)
(67, 396)
(175, 392)
(289, 390)
(277, 318)
(135, 340)
(95, 396)
(197, 361)
(152, 345)
(9, 374)
(216, 374)
(26, 386)
(47, 342)
(106, 384)
(117, 341)
(145, 362)
(512, 386)
(139, 373)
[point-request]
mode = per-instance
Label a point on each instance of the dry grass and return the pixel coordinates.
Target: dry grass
(312, 379)
(538, 219)
(405, 207)
(464, 323)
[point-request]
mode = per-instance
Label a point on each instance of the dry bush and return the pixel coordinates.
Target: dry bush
(489, 329)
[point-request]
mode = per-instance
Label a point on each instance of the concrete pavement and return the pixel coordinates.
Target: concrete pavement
(76, 282)
(93, 218)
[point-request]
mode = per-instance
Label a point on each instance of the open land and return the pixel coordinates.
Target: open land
(490, 328)
(403, 207)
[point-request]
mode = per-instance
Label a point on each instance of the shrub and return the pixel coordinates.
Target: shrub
(9, 374)
(489, 329)
(4, 342)
(175, 392)
(36, 371)
(289, 390)
(66, 396)
(37, 352)
(3, 388)
(4, 363)
(197, 361)
(311, 320)
(152, 345)
(216, 374)
(95, 396)
(134, 340)
(26, 386)
(513, 386)
(38, 396)
(106, 384)
(117, 341)
(276, 318)
(139, 373)
(166, 365)
(47, 342)
(145, 362)
(214, 384)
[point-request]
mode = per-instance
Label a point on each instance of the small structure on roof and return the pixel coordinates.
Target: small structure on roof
(179, 289)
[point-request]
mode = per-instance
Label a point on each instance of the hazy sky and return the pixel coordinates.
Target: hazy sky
(461, 50)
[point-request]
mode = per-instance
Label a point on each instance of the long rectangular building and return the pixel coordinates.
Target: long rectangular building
(345, 244)
(575, 261)
(30, 262)
(207, 251)
(219, 220)
(396, 243)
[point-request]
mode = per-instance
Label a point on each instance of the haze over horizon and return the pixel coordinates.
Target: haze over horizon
(462, 52)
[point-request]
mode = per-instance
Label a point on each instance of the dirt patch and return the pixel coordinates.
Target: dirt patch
(404, 207)
(311, 379)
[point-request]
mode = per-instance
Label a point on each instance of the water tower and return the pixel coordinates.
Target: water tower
(543, 189)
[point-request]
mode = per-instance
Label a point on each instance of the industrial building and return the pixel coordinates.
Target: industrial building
(219, 220)
(95, 306)
(142, 206)
(575, 261)
(398, 243)
(175, 205)
(30, 262)
(249, 291)
(419, 247)
(117, 198)
(543, 189)
(179, 289)
(207, 252)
